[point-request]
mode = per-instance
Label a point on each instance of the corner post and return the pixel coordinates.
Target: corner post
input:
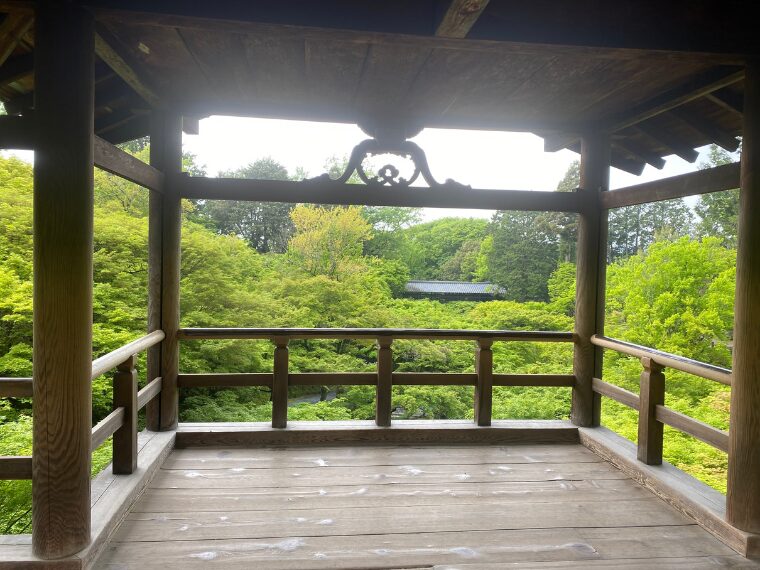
(743, 491)
(591, 264)
(652, 394)
(164, 235)
(63, 245)
(280, 383)
(384, 389)
(484, 386)
(125, 438)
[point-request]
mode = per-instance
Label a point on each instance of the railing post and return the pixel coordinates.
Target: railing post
(651, 395)
(384, 389)
(63, 243)
(484, 386)
(280, 383)
(743, 488)
(166, 135)
(591, 258)
(125, 438)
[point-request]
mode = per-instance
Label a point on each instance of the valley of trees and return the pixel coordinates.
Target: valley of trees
(670, 286)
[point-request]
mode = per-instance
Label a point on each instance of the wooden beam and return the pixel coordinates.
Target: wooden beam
(17, 132)
(695, 428)
(114, 358)
(616, 393)
(743, 496)
(711, 131)
(383, 391)
(639, 154)
(717, 179)
(14, 27)
(191, 125)
(729, 100)
(695, 88)
(125, 438)
(668, 140)
(17, 68)
(280, 383)
(148, 392)
(114, 160)
(460, 17)
(590, 277)
(331, 192)
(217, 380)
(63, 246)
(108, 49)
(15, 468)
(16, 387)
(483, 399)
(106, 427)
(651, 395)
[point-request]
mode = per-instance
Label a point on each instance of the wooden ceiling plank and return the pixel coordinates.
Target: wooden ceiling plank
(460, 17)
(667, 140)
(689, 91)
(12, 30)
(728, 100)
(713, 132)
(16, 68)
(106, 47)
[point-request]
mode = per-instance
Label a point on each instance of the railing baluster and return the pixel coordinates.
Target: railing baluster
(125, 438)
(484, 387)
(384, 388)
(280, 383)
(651, 395)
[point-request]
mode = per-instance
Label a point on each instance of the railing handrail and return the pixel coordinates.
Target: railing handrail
(688, 365)
(372, 333)
(116, 357)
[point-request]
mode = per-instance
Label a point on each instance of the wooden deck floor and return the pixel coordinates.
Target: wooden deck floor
(538, 506)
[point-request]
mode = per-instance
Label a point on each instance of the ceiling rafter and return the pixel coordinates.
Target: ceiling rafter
(666, 139)
(707, 128)
(12, 30)
(460, 17)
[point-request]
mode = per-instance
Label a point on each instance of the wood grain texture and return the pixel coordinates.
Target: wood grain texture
(701, 369)
(330, 192)
(15, 467)
(63, 245)
(147, 394)
(383, 391)
(280, 384)
(743, 498)
(717, 179)
(125, 438)
(690, 496)
(651, 398)
(460, 17)
(114, 160)
(16, 387)
(589, 292)
(106, 427)
(617, 393)
(483, 400)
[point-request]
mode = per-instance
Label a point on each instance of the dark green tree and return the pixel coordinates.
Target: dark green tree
(718, 211)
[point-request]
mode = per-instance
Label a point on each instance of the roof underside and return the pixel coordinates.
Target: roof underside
(659, 79)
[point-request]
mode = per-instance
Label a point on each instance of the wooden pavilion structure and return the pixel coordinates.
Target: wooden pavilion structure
(624, 83)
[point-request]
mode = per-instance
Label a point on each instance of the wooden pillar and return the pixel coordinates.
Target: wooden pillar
(63, 244)
(652, 394)
(280, 383)
(384, 390)
(125, 438)
(484, 386)
(590, 278)
(743, 492)
(166, 155)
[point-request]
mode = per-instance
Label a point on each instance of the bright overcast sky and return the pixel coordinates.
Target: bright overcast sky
(482, 159)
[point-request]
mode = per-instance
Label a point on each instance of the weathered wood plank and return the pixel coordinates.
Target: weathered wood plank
(148, 392)
(329, 192)
(702, 431)
(504, 547)
(393, 519)
(717, 179)
(460, 17)
(16, 388)
(115, 357)
(125, 438)
(383, 391)
(616, 393)
(280, 383)
(114, 160)
(651, 397)
(16, 467)
(483, 399)
(106, 427)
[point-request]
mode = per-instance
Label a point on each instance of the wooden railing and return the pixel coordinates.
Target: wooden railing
(121, 422)
(483, 379)
(650, 402)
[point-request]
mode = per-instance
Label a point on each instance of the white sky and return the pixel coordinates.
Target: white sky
(482, 159)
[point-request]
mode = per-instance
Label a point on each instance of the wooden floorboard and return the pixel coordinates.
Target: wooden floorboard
(468, 507)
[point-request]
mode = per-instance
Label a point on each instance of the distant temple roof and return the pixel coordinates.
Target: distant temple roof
(453, 289)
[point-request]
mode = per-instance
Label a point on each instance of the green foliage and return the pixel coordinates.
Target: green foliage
(719, 211)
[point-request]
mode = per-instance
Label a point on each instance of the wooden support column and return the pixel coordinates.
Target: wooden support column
(164, 242)
(63, 244)
(591, 264)
(484, 387)
(743, 496)
(280, 383)
(125, 438)
(384, 389)
(651, 395)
